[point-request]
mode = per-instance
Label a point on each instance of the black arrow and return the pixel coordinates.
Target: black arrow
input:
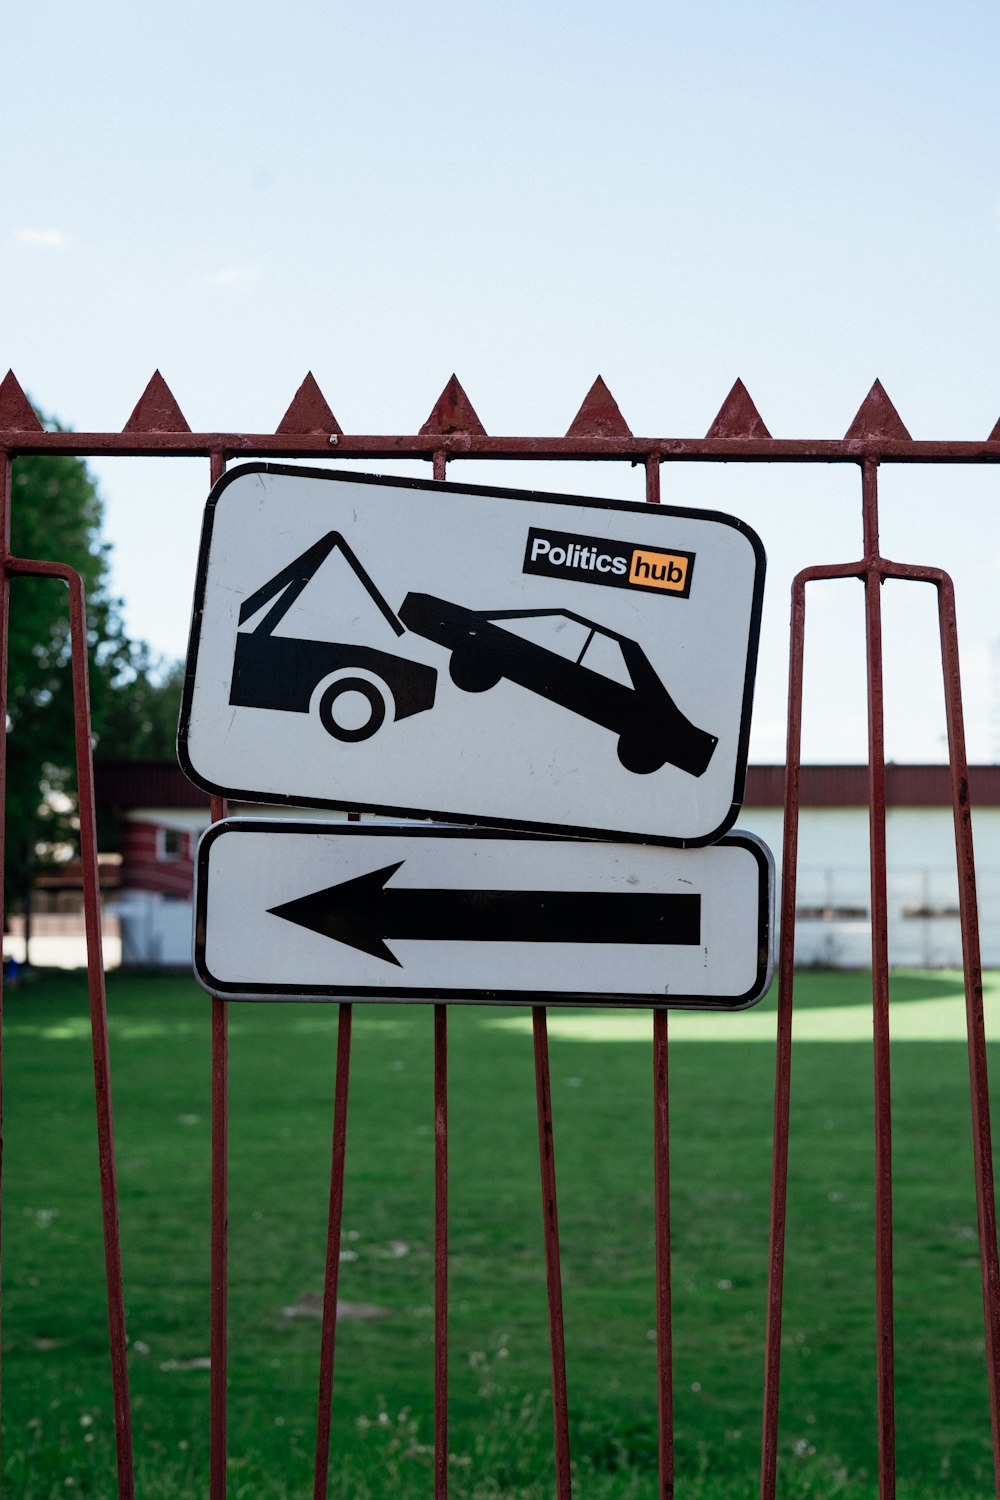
(362, 913)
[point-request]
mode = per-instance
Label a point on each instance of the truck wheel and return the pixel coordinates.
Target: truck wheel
(344, 727)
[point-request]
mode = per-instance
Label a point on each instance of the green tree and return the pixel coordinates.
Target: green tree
(56, 515)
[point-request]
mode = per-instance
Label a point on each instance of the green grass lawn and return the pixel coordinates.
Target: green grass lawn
(58, 1436)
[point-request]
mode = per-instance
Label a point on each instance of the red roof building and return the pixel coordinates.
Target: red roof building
(161, 815)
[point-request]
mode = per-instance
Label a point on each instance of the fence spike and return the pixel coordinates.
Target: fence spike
(877, 417)
(599, 416)
(452, 412)
(738, 417)
(16, 411)
(156, 410)
(309, 411)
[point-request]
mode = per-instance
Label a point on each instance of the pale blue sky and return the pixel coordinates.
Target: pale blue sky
(801, 194)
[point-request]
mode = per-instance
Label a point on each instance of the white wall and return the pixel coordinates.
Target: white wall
(155, 930)
(833, 872)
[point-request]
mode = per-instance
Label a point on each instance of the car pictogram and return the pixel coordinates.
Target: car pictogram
(590, 670)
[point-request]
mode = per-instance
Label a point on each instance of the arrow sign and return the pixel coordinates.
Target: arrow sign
(363, 913)
(336, 911)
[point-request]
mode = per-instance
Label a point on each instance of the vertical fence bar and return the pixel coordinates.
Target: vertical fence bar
(219, 1279)
(880, 986)
(661, 1194)
(440, 1209)
(98, 1001)
(99, 1033)
(786, 990)
(6, 469)
(653, 479)
(783, 1056)
(982, 1146)
(440, 1252)
(664, 1321)
(553, 1273)
(219, 1319)
(333, 1234)
(219, 1252)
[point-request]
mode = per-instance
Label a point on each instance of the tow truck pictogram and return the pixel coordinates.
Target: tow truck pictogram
(283, 672)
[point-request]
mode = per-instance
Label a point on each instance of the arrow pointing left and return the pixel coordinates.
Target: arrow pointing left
(288, 909)
(362, 913)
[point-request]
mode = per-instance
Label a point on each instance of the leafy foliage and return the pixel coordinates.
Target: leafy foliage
(57, 516)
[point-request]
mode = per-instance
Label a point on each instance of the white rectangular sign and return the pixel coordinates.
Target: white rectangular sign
(478, 656)
(322, 911)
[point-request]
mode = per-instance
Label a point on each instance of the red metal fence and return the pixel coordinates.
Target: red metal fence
(599, 432)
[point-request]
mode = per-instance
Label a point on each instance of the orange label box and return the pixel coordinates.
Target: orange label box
(659, 570)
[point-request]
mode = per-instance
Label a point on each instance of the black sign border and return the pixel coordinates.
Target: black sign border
(223, 991)
(471, 819)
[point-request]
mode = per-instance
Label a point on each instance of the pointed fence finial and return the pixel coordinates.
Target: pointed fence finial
(16, 411)
(877, 417)
(156, 410)
(309, 412)
(738, 417)
(452, 412)
(599, 416)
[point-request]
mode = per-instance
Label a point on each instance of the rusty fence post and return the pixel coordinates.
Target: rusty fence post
(6, 468)
(219, 1248)
(98, 1007)
(440, 1252)
(553, 1272)
(873, 577)
(333, 1235)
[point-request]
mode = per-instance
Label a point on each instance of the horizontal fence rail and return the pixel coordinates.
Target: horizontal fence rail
(453, 431)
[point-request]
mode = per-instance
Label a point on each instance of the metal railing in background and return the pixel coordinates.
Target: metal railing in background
(599, 432)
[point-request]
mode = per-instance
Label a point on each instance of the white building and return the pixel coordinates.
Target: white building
(833, 912)
(161, 816)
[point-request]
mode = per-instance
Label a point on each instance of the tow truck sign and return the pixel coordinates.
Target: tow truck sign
(325, 911)
(482, 656)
